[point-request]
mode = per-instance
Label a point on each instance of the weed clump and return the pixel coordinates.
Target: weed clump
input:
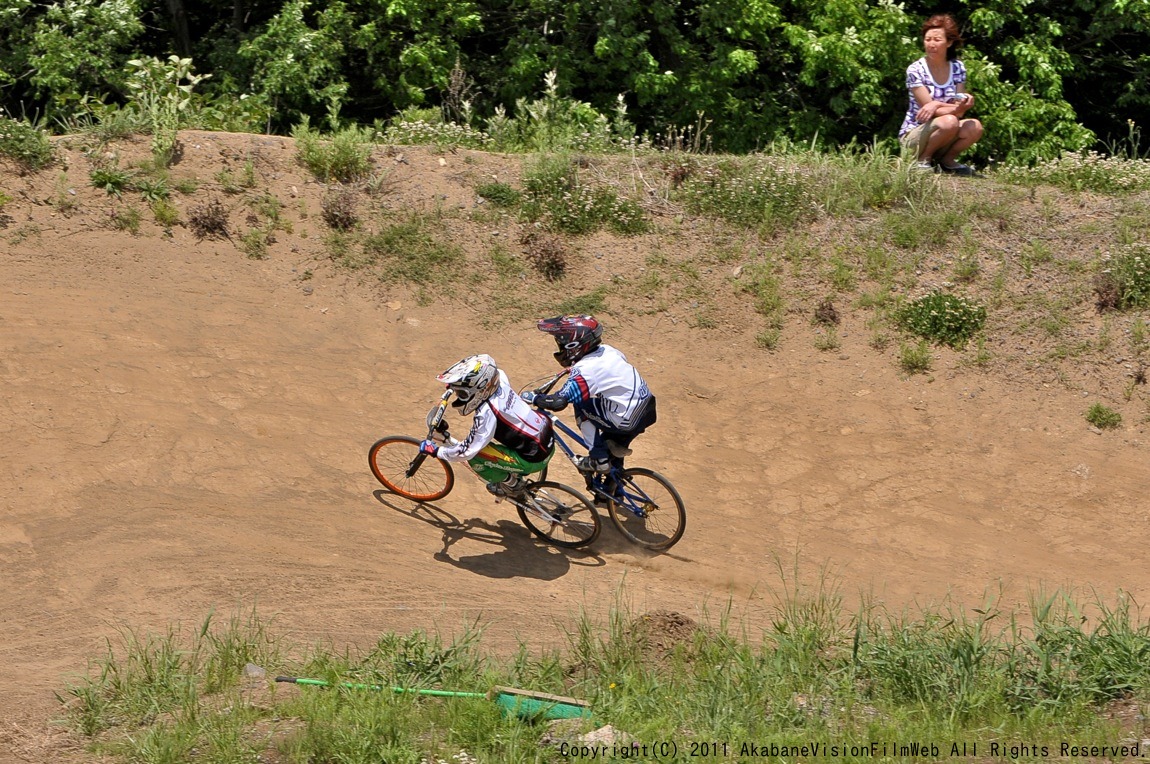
(546, 253)
(127, 219)
(339, 210)
(916, 358)
(943, 318)
(1103, 417)
(826, 314)
(209, 220)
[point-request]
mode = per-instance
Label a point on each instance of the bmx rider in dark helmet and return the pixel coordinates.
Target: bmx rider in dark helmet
(613, 404)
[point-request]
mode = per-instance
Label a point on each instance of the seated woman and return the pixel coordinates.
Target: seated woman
(935, 127)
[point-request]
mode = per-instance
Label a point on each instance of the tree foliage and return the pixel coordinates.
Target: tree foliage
(1050, 76)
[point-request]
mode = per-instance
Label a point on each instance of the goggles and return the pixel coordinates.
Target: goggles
(462, 393)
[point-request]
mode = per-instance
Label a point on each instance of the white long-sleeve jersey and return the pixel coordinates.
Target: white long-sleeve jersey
(506, 418)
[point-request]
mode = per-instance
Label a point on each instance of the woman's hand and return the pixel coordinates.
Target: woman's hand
(928, 111)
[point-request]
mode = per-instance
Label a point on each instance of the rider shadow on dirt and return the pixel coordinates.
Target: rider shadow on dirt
(519, 554)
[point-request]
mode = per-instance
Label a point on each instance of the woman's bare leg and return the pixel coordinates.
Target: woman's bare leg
(969, 131)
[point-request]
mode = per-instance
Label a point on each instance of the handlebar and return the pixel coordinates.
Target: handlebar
(434, 421)
(550, 384)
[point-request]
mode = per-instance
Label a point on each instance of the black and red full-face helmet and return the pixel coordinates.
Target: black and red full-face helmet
(576, 336)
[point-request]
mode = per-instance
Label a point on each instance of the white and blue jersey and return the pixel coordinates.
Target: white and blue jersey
(607, 390)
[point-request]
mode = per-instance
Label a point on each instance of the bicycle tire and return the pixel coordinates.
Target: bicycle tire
(391, 457)
(664, 517)
(579, 525)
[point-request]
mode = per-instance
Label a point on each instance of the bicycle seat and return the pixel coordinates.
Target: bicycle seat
(617, 450)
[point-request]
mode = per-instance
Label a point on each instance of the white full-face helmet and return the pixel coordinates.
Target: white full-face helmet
(473, 380)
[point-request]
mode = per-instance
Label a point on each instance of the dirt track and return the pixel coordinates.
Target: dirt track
(185, 431)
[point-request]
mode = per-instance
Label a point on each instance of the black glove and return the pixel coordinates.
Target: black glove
(550, 402)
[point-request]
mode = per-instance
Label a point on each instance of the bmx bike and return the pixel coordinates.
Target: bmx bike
(554, 512)
(643, 505)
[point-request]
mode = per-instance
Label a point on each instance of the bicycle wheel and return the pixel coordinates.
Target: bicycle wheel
(391, 459)
(559, 515)
(649, 512)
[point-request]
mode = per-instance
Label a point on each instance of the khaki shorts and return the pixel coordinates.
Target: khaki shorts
(917, 137)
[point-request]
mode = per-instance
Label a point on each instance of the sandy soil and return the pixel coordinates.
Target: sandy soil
(184, 430)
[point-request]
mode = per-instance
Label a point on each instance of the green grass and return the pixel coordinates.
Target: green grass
(412, 249)
(126, 219)
(811, 672)
(756, 192)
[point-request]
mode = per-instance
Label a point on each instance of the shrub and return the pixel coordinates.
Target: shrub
(1103, 417)
(943, 318)
(25, 144)
(162, 92)
(209, 220)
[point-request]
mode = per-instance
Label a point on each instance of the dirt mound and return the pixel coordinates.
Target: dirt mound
(185, 430)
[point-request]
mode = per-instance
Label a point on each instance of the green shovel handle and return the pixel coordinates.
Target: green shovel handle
(354, 686)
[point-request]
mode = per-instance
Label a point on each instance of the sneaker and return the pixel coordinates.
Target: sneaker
(924, 166)
(587, 464)
(961, 170)
(509, 488)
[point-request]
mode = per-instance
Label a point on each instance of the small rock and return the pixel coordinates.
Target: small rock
(308, 290)
(253, 671)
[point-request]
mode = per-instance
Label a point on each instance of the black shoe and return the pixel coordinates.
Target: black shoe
(962, 170)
